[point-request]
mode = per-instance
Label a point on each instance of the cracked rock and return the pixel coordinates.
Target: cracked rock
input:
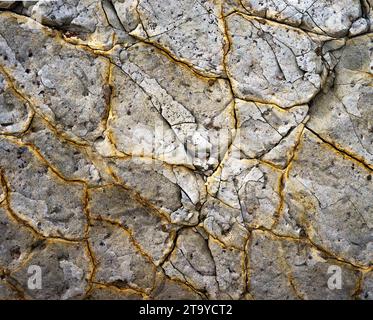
(330, 17)
(64, 268)
(15, 112)
(335, 216)
(118, 260)
(186, 149)
(342, 114)
(271, 63)
(66, 84)
(56, 207)
(189, 30)
(288, 269)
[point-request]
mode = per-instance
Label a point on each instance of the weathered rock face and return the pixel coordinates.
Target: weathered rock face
(186, 149)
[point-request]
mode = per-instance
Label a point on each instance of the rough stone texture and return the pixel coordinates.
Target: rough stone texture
(330, 17)
(189, 30)
(186, 149)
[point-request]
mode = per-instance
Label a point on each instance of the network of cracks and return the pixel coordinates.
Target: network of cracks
(190, 149)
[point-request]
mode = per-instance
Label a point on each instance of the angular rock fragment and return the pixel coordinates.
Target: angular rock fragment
(192, 262)
(230, 265)
(328, 199)
(342, 114)
(359, 26)
(330, 17)
(272, 63)
(248, 186)
(224, 223)
(207, 266)
(262, 127)
(165, 187)
(38, 196)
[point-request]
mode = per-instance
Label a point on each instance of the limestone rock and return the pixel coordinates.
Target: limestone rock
(118, 261)
(184, 119)
(343, 114)
(316, 201)
(330, 17)
(70, 160)
(64, 271)
(186, 149)
(288, 269)
(55, 207)
(15, 112)
(268, 62)
(151, 231)
(16, 241)
(189, 30)
(66, 84)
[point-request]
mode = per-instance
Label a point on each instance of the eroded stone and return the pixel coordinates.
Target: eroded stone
(152, 232)
(67, 84)
(64, 269)
(190, 30)
(55, 207)
(343, 114)
(333, 18)
(327, 198)
(281, 268)
(118, 261)
(15, 112)
(272, 63)
(163, 110)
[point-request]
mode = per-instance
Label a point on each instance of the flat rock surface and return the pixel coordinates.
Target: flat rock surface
(186, 149)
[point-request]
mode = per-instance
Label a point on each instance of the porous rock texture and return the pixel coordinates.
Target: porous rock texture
(186, 149)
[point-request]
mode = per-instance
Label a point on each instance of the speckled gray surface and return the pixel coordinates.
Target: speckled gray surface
(164, 149)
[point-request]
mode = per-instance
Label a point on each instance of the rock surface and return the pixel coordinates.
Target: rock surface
(186, 149)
